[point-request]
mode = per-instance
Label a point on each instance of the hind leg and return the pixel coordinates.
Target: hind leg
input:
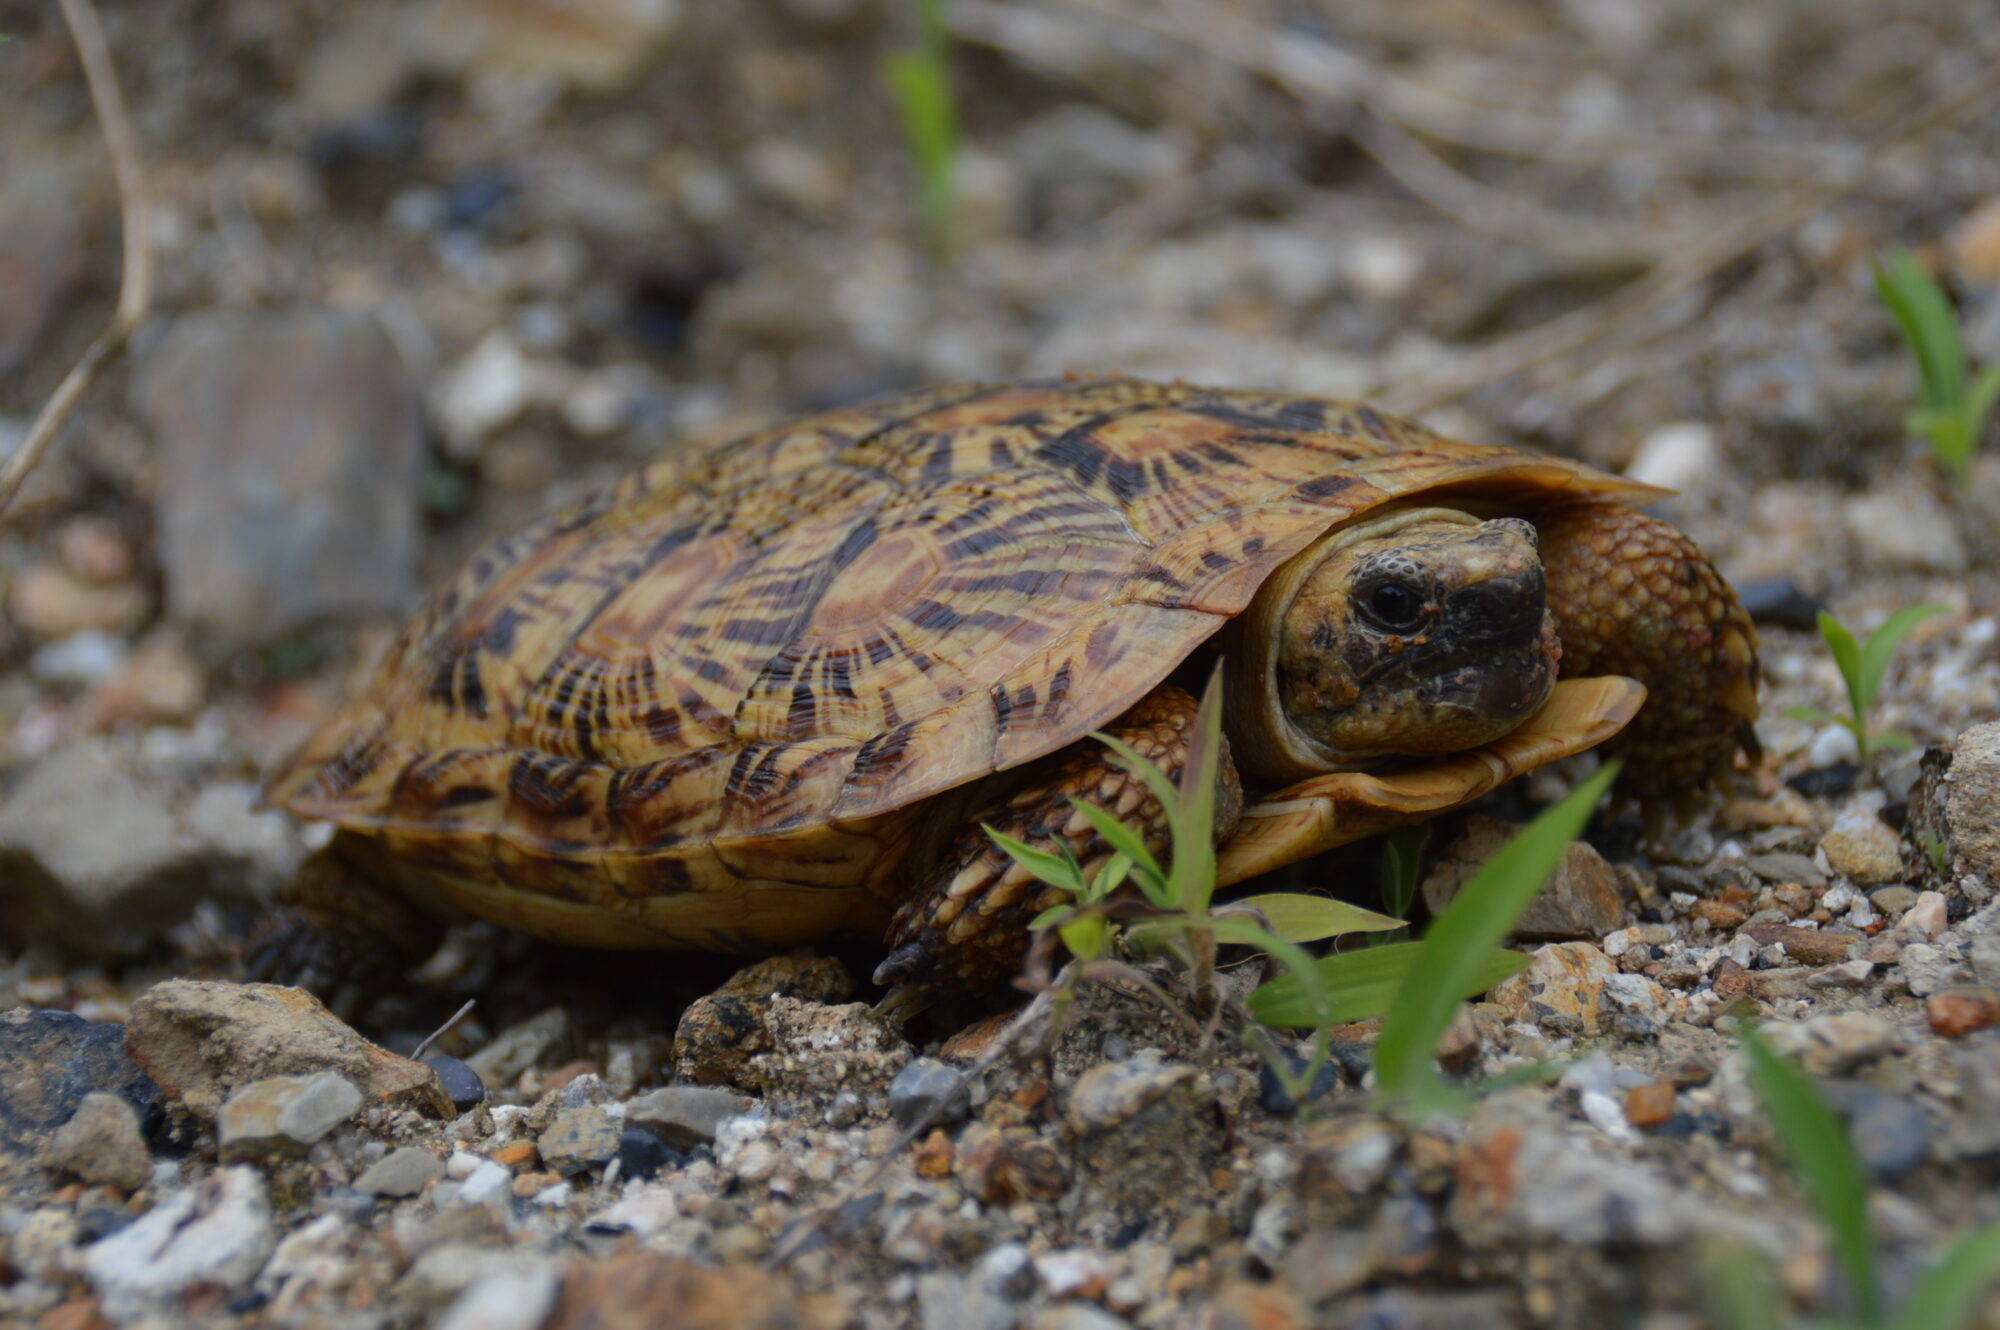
(966, 926)
(1632, 595)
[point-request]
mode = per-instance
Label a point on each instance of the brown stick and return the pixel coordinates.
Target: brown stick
(135, 289)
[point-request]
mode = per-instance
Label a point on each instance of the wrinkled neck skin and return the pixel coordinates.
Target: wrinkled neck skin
(1329, 671)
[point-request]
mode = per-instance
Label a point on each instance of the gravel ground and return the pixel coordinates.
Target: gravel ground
(426, 269)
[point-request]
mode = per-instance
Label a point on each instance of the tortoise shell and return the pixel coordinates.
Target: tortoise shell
(707, 705)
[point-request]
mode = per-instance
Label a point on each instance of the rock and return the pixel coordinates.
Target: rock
(642, 1155)
(760, 1045)
(1650, 1104)
(404, 1171)
(798, 974)
(217, 1232)
(1927, 918)
(1581, 900)
(930, 1090)
(1863, 850)
(1832, 1044)
(951, 1301)
(1972, 802)
(517, 1298)
(578, 1139)
(519, 1047)
(488, 1182)
(460, 1083)
(1533, 1185)
(290, 448)
(640, 1289)
(201, 1040)
(50, 1062)
(1973, 244)
(1901, 527)
(1809, 945)
(686, 1116)
(1847, 974)
(483, 393)
(1786, 867)
(1685, 455)
(1150, 1137)
(1562, 989)
(529, 51)
(1960, 1010)
(281, 1114)
(90, 856)
(1927, 969)
(1889, 1131)
(1976, 1059)
(52, 602)
(101, 1144)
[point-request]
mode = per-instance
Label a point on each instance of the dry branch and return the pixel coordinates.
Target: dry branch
(135, 289)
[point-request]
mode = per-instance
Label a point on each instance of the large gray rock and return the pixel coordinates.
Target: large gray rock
(290, 448)
(50, 1061)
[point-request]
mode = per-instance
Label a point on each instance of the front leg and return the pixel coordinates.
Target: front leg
(965, 925)
(1632, 595)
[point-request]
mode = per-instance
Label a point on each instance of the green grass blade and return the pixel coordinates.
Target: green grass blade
(1461, 938)
(1949, 1291)
(1193, 812)
(1815, 1141)
(1873, 664)
(1315, 992)
(1297, 917)
(1929, 325)
(1364, 983)
(1050, 868)
(1846, 653)
(1122, 838)
(1979, 404)
(1814, 716)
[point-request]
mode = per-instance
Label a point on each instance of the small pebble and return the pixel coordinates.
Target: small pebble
(1960, 1010)
(643, 1155)
(461, 1083)
(488, 1182)
(1650, 1104)
(405, 1171)
(927, 1085)
(579, 1138)
(1927, 917)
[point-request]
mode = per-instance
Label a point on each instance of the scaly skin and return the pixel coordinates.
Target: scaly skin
(1632, 595)
(969, 927)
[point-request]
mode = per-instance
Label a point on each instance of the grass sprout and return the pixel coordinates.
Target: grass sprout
(1954, 406)
(920, 81)
(1862, 667)
(1813, 1139)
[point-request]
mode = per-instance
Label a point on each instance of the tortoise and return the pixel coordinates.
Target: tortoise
(767, 691)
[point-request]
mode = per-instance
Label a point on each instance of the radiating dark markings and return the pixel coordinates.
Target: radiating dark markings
(1305, 415)
(1076, 451)
(882, 755)
(712, 671)
(663, 727)
(1215, 562)
(1127, 479)
(1215, 452)
(460, 796)
(1059, 685)
(939, 462)
(975, 543)
(546, 788)
(1015, 706)
(497, 637)
(754, 775)
(1372, 423)
(1322, 488)
(1027, 581)
(455, 685)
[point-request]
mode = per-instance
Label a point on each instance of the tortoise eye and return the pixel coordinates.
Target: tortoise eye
(1393, 605)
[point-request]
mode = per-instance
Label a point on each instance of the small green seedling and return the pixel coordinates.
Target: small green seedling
(1402, 867)
(1862, 666)
(1954, 408)
(1742, 1291)
(920, 80)
(1176, 909)
(1457, 954)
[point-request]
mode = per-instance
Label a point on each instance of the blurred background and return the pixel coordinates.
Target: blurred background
(425, 269)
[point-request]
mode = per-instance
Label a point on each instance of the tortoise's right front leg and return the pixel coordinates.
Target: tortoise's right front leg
(966, 926)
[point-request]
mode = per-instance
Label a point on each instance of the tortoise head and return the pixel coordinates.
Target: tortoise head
(1420, 632)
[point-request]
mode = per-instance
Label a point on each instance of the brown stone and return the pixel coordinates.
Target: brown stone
(517, 1155)
(1583, 898)
(202, 1039)
(1959, 1011)
(933, 1159)
(1649, 1105)
(1809, 945)
(643, 1290)
(1722, 914)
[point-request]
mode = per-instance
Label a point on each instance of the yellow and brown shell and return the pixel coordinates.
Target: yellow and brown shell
(707, 706)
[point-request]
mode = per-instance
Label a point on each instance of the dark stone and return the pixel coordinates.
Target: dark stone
(1780, 601)
(929, 1088)
(642, 1154)
(100, 1221)
(461, 1083)
(49, 1060)
(1889, 1131)
(1347, 1060)
(479, 200)
(1826, 782)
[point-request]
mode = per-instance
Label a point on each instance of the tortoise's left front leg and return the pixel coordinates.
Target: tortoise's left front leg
(1632, 595)
(966, 924)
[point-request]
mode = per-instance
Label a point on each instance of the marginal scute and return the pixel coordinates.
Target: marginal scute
(737, 671)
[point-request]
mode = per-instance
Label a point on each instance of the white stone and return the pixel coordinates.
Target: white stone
(1832, 744)
(82, 659)
(486, 390)
(519, 1298)
(487, 1183)
(1607, 1115)
(1684, 455)
(217, 1232)
(1927, 917)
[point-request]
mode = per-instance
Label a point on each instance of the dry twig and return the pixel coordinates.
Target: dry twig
(135, 289)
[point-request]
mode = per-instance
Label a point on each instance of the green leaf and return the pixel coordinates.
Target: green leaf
(1363, 983)
(1193, 873)
(1891, 739)
(1929, 325)
(1979, 403)
(1127, 842)
(1873, 663)
(1814, 1140)
(1946, 1296)
(1814, 716)
(1297, 917)
(1402, 858)
(1050, 868)
(1459, 941)
(1085, 936)
(1054, 914)
(1846, 653)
